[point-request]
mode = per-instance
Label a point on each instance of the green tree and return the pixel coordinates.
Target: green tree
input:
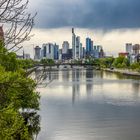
(17, 97)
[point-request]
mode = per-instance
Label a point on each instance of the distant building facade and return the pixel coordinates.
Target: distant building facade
(133, 52)
(76, 45)
(37, 53)
(50, 51)
(89, 47)
(65, 47)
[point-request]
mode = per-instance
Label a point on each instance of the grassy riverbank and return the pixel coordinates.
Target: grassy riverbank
(124, 72)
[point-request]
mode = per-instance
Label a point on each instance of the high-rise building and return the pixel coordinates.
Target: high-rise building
(65, 47)
(37, 53)
(73, 44)
(56, 52)
(101, 53)
(96, 51)
(48, 51)
(136, 49)
(76, 46)
(129, 48)
(89, 47)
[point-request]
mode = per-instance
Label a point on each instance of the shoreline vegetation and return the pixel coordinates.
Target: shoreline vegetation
(19, 101)
(120, 65)
(125, 72)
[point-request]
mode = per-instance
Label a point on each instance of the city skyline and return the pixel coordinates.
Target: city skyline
(110, 23)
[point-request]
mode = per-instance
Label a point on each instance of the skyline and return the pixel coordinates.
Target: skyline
(108, 22)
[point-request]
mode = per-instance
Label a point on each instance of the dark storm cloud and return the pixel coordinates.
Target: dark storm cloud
(102, 14)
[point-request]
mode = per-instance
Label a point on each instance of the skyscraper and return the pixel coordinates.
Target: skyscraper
(65, 47)
(89, 46)
(129, 48)
(76, 45)
(48, 51)
(56, 51)
(73, 44)
(37, 53)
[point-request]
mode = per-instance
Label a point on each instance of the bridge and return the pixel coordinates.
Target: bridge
(69, 64)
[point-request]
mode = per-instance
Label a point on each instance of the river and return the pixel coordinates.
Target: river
(82, 104)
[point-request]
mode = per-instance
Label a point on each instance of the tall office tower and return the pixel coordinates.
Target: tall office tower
(1, 34)
(136, 49)
(101, 53)
(60, 54)
(73, 44)
(37, 53)
(81, 51)
(56, 52)
(89, 46)
(65, 47)
(129, 48)
(78, 48)
(48, 51)
(96, 51)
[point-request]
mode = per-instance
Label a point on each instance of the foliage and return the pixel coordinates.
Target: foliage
(17, 96)
(106, 62)
(47, 61)
(135, 66)
(89, 60)
(12, 125)
(26, 63)
(121, 62)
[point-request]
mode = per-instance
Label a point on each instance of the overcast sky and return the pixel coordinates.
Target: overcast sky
(111, 23)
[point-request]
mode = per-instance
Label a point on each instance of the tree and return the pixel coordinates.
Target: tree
(17, 97)
(17, 22)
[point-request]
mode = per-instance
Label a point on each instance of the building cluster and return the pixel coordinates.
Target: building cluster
(52, 51)
(132, 52)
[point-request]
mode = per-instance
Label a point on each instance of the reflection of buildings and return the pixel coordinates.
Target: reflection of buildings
(136, 89)
(75, 84)
(65, 75)
(89, 82)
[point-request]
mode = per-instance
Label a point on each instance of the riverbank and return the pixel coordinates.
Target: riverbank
(124, 72)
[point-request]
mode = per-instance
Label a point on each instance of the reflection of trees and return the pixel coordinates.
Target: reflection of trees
(32, 120)
(136, 89)
(45, 77)
(76, 85)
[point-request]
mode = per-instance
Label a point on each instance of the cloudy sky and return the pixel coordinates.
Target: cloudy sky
(111, 23)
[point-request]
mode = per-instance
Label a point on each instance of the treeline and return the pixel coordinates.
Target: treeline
(19, 101)
(119, 62)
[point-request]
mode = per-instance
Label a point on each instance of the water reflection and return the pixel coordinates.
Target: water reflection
(89, 84)
(75, 85)
(83, 104)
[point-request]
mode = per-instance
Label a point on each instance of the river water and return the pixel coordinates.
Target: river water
(82, 104)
